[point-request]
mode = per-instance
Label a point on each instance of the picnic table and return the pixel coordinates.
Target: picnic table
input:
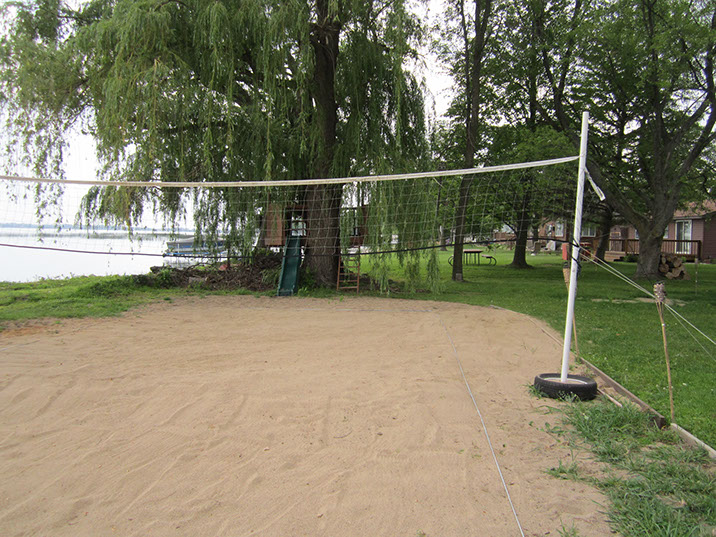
(473, 256)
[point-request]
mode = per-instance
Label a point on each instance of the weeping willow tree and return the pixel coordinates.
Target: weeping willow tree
(224, 90)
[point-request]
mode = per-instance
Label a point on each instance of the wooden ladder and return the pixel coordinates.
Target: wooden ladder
(348, 273)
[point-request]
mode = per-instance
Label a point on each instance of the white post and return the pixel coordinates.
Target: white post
(575, 249)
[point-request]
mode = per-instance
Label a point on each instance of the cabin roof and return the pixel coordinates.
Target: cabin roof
(697, 210)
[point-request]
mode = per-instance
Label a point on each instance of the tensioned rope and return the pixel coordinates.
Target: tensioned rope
(299, 182)
(216, 256)
(75, 251)
(484, 426)
(648, 293)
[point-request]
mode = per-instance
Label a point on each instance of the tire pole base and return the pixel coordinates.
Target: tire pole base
(583, 388)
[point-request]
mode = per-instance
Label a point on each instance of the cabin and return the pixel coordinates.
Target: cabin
(550, 235)
(691, 234)
(280, 220)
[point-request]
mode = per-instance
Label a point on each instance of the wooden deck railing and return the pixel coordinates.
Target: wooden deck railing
(688, 249)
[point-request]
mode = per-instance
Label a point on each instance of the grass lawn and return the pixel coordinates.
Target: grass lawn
(655, 485)
(91, 296)
(616, 330)
(84, 296)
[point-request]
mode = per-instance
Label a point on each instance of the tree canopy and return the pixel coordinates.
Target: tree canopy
(195, 90)
(190, 90)
(644, 69)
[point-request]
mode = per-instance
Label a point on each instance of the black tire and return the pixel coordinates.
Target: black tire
(549, 384)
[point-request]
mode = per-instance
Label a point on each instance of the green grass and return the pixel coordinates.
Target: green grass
(617, 332)
(89, 296)
(656, 486)
(86, 296)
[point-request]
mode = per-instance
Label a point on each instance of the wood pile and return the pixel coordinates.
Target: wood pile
(672, 267)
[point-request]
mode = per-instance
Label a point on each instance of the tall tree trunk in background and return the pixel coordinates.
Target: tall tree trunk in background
(323, 202)
(525, 218)
(651, 236)
(650, 254)
(474, 59)
(519, 259)
(605, 226)
(524, 222)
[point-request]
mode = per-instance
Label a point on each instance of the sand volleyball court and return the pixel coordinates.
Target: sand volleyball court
(237, 416)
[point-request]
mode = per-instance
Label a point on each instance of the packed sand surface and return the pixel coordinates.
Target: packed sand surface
(238, 415)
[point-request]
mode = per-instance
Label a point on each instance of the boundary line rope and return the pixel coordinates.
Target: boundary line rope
(484, 426)
(72, 251)
(299, 182)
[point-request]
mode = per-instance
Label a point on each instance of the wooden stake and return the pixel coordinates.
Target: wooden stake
(660, 297)
(696, 276)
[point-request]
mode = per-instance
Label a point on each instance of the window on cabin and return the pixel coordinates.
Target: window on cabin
(590, 230)
(298, 226)
(559, 229)
(683, 235)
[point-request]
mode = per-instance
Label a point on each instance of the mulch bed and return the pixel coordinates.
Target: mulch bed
(259, 273)
(255, 274)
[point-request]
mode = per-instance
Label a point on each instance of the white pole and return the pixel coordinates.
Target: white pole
(575, 249)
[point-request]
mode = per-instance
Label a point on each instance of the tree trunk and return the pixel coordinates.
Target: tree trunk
(519, 259)
(460, 217)
(647, 266)
(323, 206)
(474, 56)
(605, 226)
(323, 203)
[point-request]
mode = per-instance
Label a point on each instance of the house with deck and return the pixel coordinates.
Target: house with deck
(691, 234)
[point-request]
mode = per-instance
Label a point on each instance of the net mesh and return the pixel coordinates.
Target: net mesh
(401, 214)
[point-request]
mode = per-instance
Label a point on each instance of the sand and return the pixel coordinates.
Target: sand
(236, 415)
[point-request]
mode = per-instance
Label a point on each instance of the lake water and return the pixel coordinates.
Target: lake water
(32, 264)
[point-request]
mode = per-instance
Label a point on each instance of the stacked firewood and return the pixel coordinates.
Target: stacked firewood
(672, 267)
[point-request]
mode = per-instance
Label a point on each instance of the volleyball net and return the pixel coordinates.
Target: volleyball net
(402, 214)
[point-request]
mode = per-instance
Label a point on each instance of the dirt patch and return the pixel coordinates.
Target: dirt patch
(261, 273)
(22, 328)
